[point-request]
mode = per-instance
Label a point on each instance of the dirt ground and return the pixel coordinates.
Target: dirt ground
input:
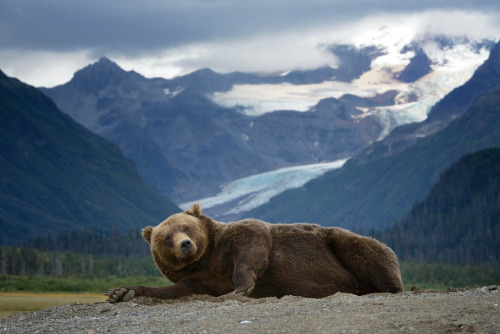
(469, 310)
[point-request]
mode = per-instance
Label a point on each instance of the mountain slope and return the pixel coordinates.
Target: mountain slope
(485, 78)
(105, 99)
(380, 185)
(58, 176)
(459, 221)
(187, 145)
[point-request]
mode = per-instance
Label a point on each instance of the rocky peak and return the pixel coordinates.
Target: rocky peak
(102, 74)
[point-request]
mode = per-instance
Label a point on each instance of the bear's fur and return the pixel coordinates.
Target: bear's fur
(257, 259)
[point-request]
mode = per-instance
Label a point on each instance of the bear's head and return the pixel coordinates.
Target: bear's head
(178, 241)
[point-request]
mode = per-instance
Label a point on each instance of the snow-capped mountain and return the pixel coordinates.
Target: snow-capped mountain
(433, 66)
(188, 146)
(193, 134)
(437, 64)
(379, 186)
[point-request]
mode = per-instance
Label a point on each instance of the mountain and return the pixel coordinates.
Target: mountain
(485, 78)
(353, 62)
(57, 176)
(459, 221)
(104, 98)
(187, 146)
(191, 135)
(379, 186)
(419, 66)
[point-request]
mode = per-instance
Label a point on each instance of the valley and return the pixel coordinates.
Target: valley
(205, 130)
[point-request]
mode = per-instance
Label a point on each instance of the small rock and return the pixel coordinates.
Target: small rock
(105, 309)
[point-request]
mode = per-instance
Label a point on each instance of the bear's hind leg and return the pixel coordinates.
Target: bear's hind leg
(370, 261)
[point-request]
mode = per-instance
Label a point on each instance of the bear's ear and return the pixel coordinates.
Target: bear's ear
(146, 233)
(194, 211)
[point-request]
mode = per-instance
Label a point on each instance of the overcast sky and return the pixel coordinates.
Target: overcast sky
(43, 42)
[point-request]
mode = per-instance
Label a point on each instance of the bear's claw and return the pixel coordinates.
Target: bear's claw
(120, 295)
(244, 291)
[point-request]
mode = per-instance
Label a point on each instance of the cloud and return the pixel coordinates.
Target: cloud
(43, 68)
(131, 26)
(267, 53)
(168, 38)
(280, 51)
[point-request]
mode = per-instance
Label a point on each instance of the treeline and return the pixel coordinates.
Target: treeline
(90, 253)
(459, 222)
(441, 276)
(93, 241)
(25, 261)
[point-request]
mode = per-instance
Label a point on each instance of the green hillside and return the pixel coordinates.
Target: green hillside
(459, 222)
(57, 176)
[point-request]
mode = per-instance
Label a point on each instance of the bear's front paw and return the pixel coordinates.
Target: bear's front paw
(120, 295)
(245, 291)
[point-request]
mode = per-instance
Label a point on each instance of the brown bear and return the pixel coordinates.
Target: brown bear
(258, 259)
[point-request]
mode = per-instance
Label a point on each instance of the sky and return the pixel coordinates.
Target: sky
(43, 42)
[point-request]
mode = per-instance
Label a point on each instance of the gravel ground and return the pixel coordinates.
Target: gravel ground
(468, 310)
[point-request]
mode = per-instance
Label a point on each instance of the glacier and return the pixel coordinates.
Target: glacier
(451, 67)
(255, 190)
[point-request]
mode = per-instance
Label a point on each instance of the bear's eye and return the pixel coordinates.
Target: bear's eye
(168, 237)
(186, 228)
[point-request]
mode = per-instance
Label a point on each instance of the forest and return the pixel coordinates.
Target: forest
(459, 222)
(91, 253)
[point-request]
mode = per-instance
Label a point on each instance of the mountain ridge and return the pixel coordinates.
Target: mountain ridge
(193, 138)
(163, 125)
(58, 176)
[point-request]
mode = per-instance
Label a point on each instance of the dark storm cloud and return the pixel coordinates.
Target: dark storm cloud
(43, 42)
(131, 26)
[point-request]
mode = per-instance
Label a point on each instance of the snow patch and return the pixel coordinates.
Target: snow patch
(257, 100)
(170, 94)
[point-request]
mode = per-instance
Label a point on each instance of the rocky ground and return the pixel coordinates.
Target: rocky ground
(472, 309)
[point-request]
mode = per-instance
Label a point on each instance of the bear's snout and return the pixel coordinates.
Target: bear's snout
(186, 245)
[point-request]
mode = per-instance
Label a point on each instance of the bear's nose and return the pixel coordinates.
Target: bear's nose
(186, 245)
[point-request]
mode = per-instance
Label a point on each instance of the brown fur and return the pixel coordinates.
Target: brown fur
(258, 259)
